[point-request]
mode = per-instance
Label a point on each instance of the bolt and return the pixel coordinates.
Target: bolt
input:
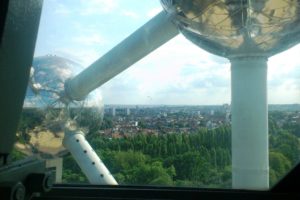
(18, 192)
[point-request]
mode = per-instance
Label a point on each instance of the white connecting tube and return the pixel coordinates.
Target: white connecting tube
(139, 44)
(87, 159)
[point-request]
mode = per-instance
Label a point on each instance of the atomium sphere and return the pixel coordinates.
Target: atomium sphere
(227, 27)
(45, 109)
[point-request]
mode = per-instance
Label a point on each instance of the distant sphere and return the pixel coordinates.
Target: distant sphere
(47, 78)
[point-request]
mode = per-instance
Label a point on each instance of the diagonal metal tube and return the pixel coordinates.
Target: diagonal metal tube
(139, 44)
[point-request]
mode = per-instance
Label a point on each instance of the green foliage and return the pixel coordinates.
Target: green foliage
(90, 118)
(151, 174)
(17, 155)
(124, 161)
(70, 177)
(287, 144)
(280, 165)
(30, 118)
(201, 158)
(107, 123)
(170, 159)
(131, 167)
(72, 172)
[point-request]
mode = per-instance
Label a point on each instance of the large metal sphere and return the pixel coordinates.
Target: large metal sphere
(43, 100)
(229, 27)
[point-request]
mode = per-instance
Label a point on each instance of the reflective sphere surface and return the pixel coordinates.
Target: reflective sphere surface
(45, 113)
(226, 27)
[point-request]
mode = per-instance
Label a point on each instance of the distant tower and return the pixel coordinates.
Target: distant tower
(128, 111)
(247, 33)
(227, 117)
(113, 110)
(199, 113)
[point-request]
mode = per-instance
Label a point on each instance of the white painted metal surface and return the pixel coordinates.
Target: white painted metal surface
(149, 37)
(250, 163)
(89, 162)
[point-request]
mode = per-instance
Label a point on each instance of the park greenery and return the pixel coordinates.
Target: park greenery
(198, 159)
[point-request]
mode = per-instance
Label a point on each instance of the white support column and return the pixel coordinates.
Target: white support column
(250, 160)
(89, 162)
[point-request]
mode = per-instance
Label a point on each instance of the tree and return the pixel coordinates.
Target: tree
(152, 174)
(279, 165)
(287, 144)
(17, 155)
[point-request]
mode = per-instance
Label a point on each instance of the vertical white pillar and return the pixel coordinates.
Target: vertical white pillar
(87, 159)
(58, 164)
(250, 163)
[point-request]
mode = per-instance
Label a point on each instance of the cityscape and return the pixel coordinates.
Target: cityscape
(130, 120)
(186, 145)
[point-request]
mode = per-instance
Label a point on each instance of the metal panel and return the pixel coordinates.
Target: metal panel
(16, 54)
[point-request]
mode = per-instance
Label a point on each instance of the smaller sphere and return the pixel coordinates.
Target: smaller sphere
(47, 112)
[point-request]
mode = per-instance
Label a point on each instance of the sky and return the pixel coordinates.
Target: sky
(177, 73)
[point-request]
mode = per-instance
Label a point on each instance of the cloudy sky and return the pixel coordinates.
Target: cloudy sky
(176, 73)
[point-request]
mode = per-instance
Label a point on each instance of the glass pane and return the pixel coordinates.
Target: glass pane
(283, 82)
(167, 120)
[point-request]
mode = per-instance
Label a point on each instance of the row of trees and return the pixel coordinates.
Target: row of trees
(199, 159)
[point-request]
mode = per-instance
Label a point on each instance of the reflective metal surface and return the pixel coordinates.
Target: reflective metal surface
(226, 27)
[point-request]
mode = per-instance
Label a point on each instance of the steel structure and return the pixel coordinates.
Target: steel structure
(246, 32)
(27, 179)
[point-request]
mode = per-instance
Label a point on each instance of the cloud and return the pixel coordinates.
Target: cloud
(130, 14)
(98, 7)
(176, 73)
(284, 63)
(62, 10)
(90, 39)
(284, 77)
(83, 56)
(285, 93)
(189, 70)
(154, 11)
(211, 83)
(179, 72)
